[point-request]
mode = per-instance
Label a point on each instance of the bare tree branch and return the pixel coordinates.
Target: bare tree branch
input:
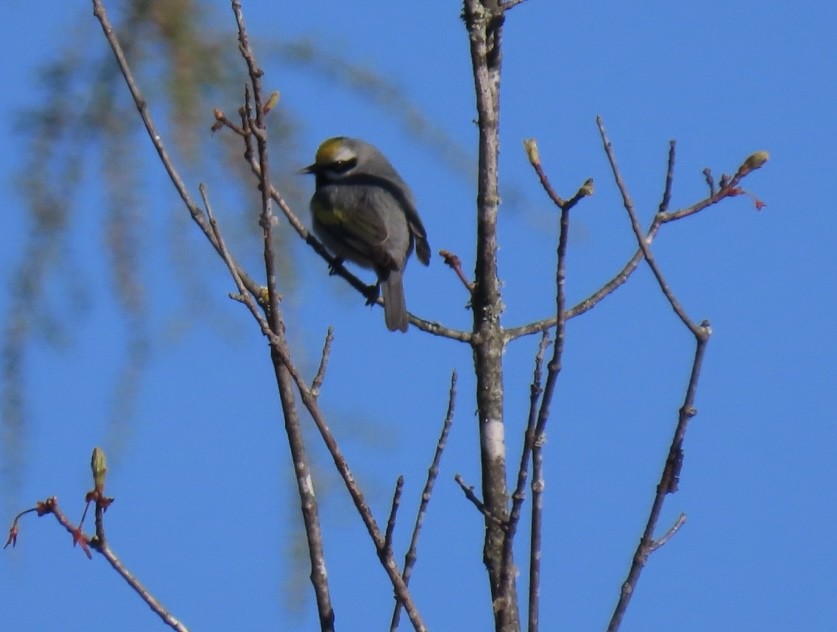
(280, 355)
(154, 135)
(432, 473)
(484, 22)
(519, 495)
(396, 502)
(98, 542)
(668, 483)
(378, 538)
(668, 535)
(671, 470)
(553, 370)
(307, 497)
(731, 188)
(454, 263)
(320, 376)
(637, 229)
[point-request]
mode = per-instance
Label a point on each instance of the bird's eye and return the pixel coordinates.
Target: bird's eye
(341, 166)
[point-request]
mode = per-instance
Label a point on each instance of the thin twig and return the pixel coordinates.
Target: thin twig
(666, 200)
(393, 511)
(378, 539)
(244, 296)
(455, 263)
(619, 279)
(637, 230)
(309, 400)
(730, 188)
(668, 482)
(317, 382)
(519, 494)
(432, 474)
(98, 543)
(468, 490)
(141, 590)
(668, 535)
(539, 406)
(156, 138)
(14, 530)
(710, 181)
(280, 355)
(553, 371)
(50, 506)
(258, 128)
(671, 470)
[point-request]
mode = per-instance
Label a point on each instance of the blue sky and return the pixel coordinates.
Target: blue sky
(205, 513)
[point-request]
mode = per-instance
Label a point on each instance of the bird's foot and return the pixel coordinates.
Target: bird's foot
(337, 262)
(372, 293)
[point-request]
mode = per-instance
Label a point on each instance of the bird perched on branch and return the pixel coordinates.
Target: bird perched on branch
(364, 212)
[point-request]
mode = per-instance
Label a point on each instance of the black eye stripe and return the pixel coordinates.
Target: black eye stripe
(341, 166)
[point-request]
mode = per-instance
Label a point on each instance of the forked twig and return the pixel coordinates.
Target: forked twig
(97, 542)
(637, 229)
(283, 367)
(274, 327)
(730, 188)
(432, 474)
(668, 535)
(536, 440)
(669, 477)
(156, 138)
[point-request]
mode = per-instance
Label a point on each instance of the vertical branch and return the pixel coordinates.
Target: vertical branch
(535, 392)
(484, 22)
(553, 370)
(540, 400)
(258, 128)
(279, 352)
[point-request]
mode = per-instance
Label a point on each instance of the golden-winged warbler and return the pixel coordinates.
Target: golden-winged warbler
(364, 212)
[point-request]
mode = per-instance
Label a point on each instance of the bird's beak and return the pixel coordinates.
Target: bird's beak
(309, 169)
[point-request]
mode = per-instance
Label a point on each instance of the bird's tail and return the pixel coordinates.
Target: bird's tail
(395, 308)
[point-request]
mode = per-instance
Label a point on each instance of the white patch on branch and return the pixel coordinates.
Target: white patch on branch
(494, 436)
(308, 485)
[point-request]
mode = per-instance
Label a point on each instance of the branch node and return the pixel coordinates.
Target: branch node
(468, 490)
(455, 263)
(668, 535)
